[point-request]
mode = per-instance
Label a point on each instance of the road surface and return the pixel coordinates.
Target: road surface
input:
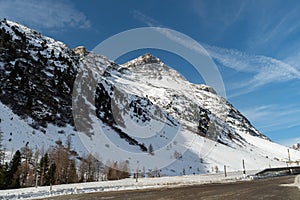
(269, 188)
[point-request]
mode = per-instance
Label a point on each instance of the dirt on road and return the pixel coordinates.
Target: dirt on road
(270, 188)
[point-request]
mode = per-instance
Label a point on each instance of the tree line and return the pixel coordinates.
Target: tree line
(57, 165)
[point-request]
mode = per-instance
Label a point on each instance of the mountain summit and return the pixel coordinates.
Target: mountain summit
(143, 60)
(143, 107)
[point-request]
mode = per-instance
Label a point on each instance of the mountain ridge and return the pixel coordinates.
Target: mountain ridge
(137, 104)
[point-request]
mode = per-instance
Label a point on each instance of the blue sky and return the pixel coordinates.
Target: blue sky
(255, 45)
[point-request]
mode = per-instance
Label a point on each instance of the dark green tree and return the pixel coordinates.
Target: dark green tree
(50, 175)
(3, 174)
(12, 178)
(43, 168)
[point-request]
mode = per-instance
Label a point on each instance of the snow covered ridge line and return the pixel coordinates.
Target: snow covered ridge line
(124, 184)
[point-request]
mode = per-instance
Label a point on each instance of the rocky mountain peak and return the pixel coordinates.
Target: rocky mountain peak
(143, 60)
(148, 58)
(80, 50)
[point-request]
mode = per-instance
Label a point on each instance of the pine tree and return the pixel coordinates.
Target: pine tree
(3, 175)
(12, 178)
(43, 168)
(50, 175)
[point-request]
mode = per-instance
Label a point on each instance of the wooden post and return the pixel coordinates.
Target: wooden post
(36, 181)
(137, 171)
(225, 173)
(50, 191)
(137, 174)
(244, 172)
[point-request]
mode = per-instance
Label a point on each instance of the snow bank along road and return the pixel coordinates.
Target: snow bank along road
(153, 184)
(125, 184)
(269, 188)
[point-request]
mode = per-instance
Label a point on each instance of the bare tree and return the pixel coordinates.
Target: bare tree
(26, 166)
(117, 170)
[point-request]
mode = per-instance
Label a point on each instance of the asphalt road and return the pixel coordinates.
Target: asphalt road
(269, 188)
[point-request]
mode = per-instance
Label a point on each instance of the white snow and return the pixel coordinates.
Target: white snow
(297, 181)
(13, 127)
(295, 184)
(118, 185)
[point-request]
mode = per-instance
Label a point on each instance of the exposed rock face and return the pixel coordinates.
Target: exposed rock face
(36, 75)
(80, 50)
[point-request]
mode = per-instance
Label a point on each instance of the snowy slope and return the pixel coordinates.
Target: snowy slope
(17, 133)
(131, 107)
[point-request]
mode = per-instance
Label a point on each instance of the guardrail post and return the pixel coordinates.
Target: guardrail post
(244, 168)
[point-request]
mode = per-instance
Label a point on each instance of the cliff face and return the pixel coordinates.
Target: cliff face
(36, 75)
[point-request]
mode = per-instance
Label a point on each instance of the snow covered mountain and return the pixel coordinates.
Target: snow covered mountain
(296, 146)
(143, 107)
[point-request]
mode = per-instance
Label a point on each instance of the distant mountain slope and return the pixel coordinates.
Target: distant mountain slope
(141, 106)
(296, 146)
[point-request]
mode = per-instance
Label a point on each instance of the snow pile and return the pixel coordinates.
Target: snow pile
(297, 181)
(295, 184)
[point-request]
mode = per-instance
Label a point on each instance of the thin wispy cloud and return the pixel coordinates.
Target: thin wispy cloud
(289, 142)
(269, 32)
(262, 70)
(210, 15)
(44, 14)
(145, 19)
(294, 59)
(260, 112)
(274, 117)
(186, 42)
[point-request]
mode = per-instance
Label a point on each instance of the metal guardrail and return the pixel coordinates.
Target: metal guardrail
(280, 171)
